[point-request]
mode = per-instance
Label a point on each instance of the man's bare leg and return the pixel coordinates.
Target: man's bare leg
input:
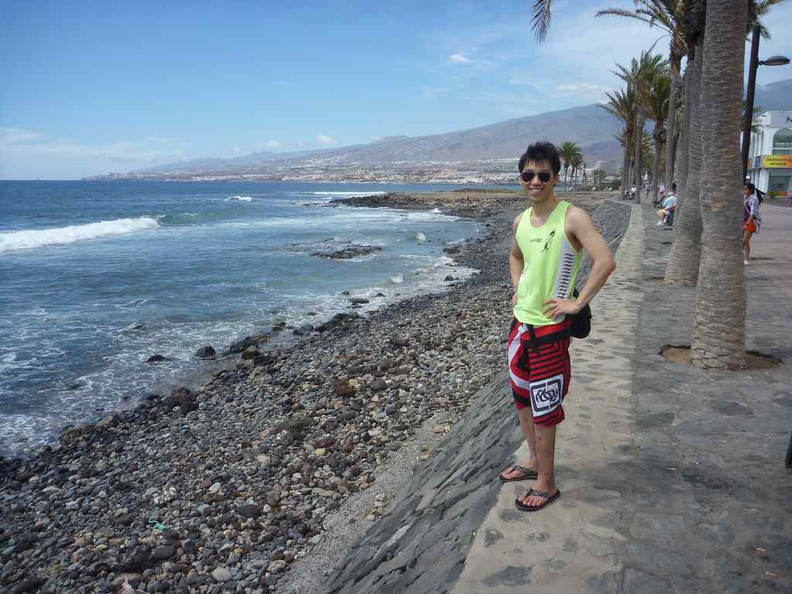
(526, 422)
(545, 458)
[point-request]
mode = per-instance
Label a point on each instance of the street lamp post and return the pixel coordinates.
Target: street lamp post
(753, 65)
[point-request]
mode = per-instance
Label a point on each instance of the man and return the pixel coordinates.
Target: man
(547, 244)
(669, 204)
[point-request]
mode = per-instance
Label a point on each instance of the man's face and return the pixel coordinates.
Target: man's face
(537, 189)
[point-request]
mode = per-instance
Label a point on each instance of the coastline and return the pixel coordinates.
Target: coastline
(243, 470)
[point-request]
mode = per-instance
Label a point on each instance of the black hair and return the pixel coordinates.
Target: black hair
(541, 151)
(750, 186)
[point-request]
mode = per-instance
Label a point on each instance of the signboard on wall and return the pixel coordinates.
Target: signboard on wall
(780, 119)
(776, 161)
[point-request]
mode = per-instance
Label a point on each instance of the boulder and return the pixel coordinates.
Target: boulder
(303, 330)
(206, 352)
(249, 510)
(264, 359)
(349, 251)
(183, 399)
(250, 353)
(240, 345)
(157, 359)
(343, 389)
(337, 320)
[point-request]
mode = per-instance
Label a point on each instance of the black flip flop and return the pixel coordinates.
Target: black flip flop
(530, 508)
(527, 474)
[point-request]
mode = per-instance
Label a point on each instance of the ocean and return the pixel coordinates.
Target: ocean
(97, 277)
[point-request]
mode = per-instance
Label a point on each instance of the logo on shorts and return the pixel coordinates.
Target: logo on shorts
(546, 394)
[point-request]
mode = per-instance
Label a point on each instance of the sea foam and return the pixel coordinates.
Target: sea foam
(34, 238)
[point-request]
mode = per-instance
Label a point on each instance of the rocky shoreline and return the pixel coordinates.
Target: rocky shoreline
(223, 487)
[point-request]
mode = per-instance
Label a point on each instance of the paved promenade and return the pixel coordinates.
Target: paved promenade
(672, 479)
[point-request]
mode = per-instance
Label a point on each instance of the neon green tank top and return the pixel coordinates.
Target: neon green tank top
(551, 264)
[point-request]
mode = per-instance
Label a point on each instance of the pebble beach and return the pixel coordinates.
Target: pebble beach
(225, 487)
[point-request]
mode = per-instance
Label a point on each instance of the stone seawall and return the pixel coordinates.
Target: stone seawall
(421, 544)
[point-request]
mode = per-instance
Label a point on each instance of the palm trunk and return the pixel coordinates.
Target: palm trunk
(626, 163)
(682, 144)
(658, 143)
(639, 126)
(719, 321)
(685, 256)
(671, 123)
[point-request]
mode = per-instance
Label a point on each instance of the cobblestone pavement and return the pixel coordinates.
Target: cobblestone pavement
(672, 479)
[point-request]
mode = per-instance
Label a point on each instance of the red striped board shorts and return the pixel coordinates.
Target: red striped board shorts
(539, 369)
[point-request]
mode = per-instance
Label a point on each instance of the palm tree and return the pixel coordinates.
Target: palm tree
(685, 256)
(577, 162)
(757, 10)
(640, 75)
(598, 176)
(622, 104)
(568, 151)
(669, 16)
(719, 321)
(656, 104)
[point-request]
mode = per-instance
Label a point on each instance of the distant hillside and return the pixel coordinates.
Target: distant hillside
(775, 96)
(479, 154)
(590, 127)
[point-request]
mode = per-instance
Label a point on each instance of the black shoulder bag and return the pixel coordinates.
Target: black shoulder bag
(581, 321)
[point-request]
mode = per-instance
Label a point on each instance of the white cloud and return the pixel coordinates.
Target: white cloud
(273, 144)
(458, 58)
(10, 136)
(25, 154)
(326, 139)
(583, 87)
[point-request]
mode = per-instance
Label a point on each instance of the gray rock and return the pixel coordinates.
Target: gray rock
(221, 574)
(243, 344)
(206, 352)
(249, 511)
(163, 552)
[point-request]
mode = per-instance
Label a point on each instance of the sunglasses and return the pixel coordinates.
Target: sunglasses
(528, 175)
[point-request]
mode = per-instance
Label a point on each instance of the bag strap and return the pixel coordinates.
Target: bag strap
(536, 341)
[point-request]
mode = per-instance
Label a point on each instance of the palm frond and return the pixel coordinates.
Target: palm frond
(540, 19)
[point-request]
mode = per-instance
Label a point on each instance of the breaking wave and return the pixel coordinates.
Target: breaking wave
(34, 238)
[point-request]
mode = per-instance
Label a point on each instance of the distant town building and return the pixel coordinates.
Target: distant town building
(770, 154)
(609, 167)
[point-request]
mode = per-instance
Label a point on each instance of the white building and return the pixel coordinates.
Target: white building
(609, 167)
(770, 154)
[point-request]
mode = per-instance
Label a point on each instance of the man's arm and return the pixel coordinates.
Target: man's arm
(516, 262)
(580, 226)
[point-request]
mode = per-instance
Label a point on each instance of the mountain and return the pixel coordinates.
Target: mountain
(487, 153)
(491, 151)
(590, 127)
(775, 96)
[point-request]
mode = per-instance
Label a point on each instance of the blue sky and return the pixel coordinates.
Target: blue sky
(93, 87)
